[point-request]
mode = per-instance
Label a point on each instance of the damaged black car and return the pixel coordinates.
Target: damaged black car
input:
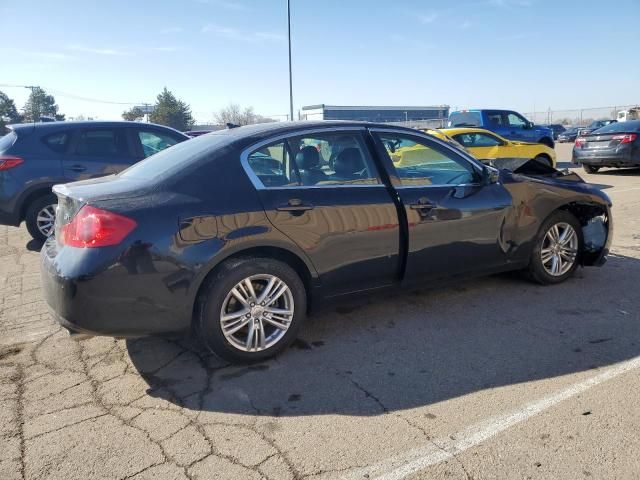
(235, 235)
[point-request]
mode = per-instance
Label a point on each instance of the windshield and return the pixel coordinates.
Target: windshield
(177, 157)
(465, 119)
(633, 126)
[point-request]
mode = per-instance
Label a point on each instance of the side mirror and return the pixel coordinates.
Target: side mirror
(490, 175)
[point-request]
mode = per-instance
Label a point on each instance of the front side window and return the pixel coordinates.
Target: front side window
(516, 120)
(272, 165)
(153, 142)
(101, 143)
(57, 141)
(474, 140)
(335, 158)
(420, 163)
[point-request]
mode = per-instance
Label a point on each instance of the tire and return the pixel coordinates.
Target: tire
(544, 160)
(217, 295)
(590, 168)
(38, 209)
(540, 270)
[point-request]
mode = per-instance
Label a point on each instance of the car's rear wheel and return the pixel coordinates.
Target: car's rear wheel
(556, 254)
(543, 159)
(40, 217)
(251, 309)
(590, 168)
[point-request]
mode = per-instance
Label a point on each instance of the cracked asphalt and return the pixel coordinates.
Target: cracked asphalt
(484, 379)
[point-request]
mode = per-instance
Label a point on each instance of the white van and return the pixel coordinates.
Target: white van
(631, 114)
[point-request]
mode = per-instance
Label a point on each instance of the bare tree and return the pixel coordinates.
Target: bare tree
(236, 115)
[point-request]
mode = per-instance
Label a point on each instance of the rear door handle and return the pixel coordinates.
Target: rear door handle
(77, 168)
(294, 205)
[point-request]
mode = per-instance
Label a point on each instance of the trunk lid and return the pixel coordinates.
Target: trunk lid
(603, 140)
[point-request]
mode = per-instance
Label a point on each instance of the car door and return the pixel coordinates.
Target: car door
(455, 219)
(97, 152)
(518, 127)
(339, 213)
(484, 146)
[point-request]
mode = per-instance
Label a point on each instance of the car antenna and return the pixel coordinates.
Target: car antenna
(232, 125)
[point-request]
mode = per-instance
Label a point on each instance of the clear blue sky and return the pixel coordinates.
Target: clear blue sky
(485, 53)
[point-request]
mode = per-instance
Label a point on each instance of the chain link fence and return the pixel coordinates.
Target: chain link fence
(580, 117)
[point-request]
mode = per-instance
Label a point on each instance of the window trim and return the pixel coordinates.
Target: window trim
(476, 165)
(257, 183)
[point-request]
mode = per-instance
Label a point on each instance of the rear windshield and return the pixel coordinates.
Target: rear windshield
(7, 140)
(465, 119)
(177, 157)
(633, 126)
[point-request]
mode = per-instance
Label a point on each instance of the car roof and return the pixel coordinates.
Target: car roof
(459, 130)
(57, 126)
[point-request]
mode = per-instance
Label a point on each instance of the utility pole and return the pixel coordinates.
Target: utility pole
(290, 75)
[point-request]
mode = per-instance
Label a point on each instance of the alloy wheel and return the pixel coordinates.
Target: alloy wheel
(46, 219)
(559, 249)
(257, 313)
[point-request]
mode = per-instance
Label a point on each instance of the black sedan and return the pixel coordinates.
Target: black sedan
(236, 234)
(616, 145)
(569, 135)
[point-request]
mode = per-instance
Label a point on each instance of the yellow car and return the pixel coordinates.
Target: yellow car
(487, 146)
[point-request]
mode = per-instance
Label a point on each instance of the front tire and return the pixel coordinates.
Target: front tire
(251, 309)
(40, 217)
(590, 168)
(556, 254)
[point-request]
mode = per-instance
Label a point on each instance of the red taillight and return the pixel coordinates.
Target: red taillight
(626, 138)
(579, 142)
(7, 162)
(93, 227)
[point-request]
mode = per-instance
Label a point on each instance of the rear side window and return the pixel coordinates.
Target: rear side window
(465, 119)
(272, 165)
(153, 142)
(102, 143)
(57, 141)
(7, 140)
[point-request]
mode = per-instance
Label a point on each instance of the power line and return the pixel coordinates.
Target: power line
(61, 93)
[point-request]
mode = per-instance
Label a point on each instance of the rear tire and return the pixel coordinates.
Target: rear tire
(556, 254)
(40, 216)
(590, 168)
(253, 331)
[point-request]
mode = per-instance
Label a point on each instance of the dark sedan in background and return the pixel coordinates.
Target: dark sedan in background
(236, 233)
(593, 126)
(36, 156)
(616, 145)
(556, 128)
(569, 135)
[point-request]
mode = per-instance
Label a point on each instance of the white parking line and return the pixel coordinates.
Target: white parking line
(403, 465)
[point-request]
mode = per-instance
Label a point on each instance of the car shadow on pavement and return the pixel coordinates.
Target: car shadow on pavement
(414, 349)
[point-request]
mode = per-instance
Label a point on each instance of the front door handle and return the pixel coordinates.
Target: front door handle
(295, 205)
(77, 168)
(422, 204)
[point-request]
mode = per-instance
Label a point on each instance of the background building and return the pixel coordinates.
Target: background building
(418, 117)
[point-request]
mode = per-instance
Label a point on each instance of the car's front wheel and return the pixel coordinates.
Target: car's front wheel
(590, 168)
(40, 217)
(251, 309)
(556, 254)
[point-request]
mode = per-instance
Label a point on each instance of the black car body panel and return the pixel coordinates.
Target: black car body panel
(340, 239)
(60, 152)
